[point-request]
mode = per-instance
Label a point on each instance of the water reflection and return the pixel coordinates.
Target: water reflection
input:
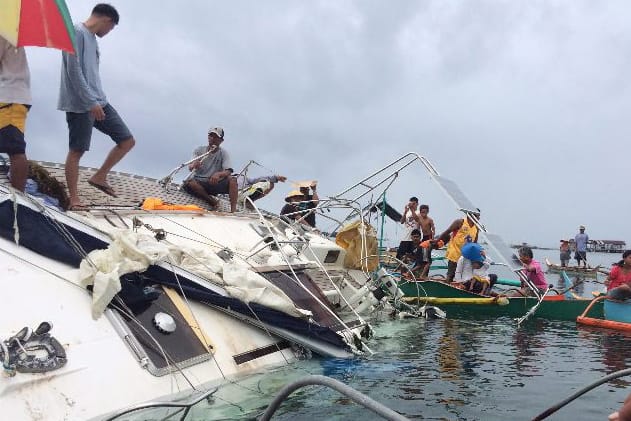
(616, 351)
(529, 348)
(449, 361)
(615, 348)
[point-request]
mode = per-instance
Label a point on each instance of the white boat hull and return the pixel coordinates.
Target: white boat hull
(101, 374)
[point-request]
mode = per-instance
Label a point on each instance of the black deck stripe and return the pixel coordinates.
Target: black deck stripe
(260, 352)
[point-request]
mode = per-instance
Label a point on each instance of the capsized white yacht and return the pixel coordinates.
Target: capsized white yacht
(119, 304)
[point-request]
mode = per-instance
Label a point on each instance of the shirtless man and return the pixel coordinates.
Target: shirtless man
(426, 223)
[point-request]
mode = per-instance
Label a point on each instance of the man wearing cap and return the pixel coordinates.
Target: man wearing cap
(212, 174)
(581, 240)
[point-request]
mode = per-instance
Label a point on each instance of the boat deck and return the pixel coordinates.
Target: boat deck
(323, 282)
(131, 189)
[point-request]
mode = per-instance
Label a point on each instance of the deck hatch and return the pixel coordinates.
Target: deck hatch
(182, 347)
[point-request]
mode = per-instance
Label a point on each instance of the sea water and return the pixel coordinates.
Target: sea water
(455, 369)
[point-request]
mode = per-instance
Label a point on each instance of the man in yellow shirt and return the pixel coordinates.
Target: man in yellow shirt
(459, 232)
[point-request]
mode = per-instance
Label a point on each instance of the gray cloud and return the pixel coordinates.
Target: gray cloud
(523, 103)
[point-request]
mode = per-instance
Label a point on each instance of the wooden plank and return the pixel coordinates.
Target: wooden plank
(190, 319)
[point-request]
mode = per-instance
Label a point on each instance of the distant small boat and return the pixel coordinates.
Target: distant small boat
(574, 270)
(616, 315)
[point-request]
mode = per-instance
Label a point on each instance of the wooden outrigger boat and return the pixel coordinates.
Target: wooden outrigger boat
(573, 270)
(616, 314)
(460, 303)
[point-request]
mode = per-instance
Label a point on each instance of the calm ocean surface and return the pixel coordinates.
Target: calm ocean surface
(456, 369)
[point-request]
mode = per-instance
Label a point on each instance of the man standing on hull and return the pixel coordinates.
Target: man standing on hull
(82, 97)
(581, 240)
(15, 100)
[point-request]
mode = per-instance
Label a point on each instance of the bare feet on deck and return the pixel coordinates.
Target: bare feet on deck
(102, 185)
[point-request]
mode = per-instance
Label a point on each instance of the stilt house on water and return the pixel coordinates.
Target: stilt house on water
(603, 246)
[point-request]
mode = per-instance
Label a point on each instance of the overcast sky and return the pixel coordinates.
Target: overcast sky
(524, 104)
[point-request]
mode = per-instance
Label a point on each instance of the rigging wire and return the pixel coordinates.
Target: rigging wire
(204, 336)
(134, 319)
(79, 249)
(295, 277)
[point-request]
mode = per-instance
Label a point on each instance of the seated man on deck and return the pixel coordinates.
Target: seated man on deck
(472, 270)
(212, 174)
(414, 258)
(256, 188)
(421, 255)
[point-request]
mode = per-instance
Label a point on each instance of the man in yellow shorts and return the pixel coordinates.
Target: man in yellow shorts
(15, 97)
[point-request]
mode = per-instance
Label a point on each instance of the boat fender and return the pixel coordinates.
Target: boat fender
(406, 315)
(502, 301)
(32, 351)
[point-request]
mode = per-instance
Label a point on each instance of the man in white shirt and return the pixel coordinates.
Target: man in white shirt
(15, 100)
(410, 220)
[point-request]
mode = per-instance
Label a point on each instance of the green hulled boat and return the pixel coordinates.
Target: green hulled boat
(460, 303)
